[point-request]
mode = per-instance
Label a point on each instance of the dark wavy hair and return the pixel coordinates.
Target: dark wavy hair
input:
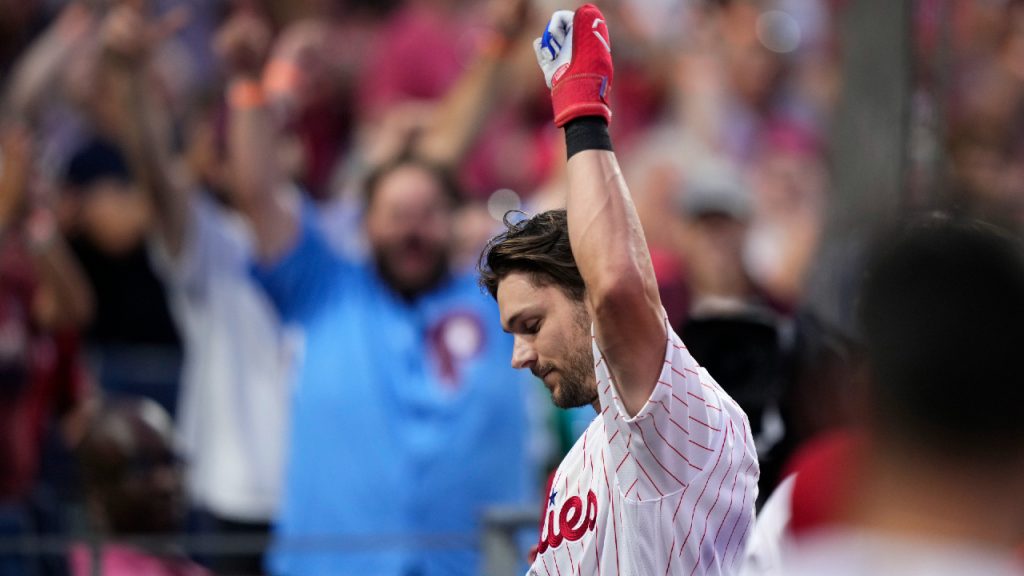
(942, 316)
(538, 246)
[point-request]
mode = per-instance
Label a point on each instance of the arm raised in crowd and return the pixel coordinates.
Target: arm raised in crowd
(144, 131)
(604, 230)
(258, 182)
(63, 297)
(459, 117)
(37, 70)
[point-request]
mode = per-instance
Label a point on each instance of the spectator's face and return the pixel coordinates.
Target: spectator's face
(114, 215)
(714, 253)
(551, 338)
(409, 226)
(144, 493)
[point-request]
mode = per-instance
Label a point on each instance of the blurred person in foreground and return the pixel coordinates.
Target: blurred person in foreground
(133, 489)
(937, 466)
(406, 422)
(664, 479)
(234, 395)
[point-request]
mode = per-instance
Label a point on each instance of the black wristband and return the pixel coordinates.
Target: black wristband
(586, 133)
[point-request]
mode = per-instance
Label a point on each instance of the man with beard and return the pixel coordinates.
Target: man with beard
(407, 422)
(406, 419)
(665, 478)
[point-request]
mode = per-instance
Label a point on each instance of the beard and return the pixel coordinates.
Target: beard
(577, 385)
(411, 287)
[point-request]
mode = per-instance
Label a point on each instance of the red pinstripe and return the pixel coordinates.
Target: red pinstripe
(743, 506)
(631, 486)
(545, 563)
(655, 456)
(585, 432)
(698, 445)
(681, 455)
(649, 479)
(621, 463)
(728, 543)
(611, 502)
(668, 568)
(678, 373)
(705, 424)
(701, 495)
(678, 425)
(707, 517)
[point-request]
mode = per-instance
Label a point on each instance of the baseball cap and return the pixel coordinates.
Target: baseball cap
(715, 188)
(96, 160)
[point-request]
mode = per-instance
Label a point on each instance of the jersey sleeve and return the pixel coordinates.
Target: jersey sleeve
(678, 435)
(301, 281)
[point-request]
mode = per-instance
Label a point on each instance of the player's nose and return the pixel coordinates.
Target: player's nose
(523, 355)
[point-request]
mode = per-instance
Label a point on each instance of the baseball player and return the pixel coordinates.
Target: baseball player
(664, 479)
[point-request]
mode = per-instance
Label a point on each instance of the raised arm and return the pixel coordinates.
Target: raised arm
(257, 179)
(604, 229)
(36, 71)
(63, 297)
(462, 113)
(144, 131)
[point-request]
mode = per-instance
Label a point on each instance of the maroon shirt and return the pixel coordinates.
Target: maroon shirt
(40, 375)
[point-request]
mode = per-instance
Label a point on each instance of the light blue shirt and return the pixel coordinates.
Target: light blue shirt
(407, 420)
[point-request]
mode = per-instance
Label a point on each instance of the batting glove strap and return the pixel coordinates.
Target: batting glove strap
(580, 95)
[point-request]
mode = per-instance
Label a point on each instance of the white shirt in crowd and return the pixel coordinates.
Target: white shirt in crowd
(668, 491)
(234, 401)
(849, 552)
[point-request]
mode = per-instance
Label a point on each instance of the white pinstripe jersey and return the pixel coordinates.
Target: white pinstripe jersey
(669, 491)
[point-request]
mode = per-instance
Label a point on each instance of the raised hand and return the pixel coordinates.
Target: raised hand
(576, 57)
(510, 17)
(128, 38)
(243, 44)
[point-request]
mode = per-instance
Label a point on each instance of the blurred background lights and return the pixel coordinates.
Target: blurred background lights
(501, 201)
(778, 31)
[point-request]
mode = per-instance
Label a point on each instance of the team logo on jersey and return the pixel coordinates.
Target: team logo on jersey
(573, 522)
(456, 339)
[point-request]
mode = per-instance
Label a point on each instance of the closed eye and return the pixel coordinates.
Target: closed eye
(531, 327)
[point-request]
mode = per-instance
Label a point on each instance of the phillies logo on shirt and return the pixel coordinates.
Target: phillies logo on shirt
(572, 523)
(456, 338)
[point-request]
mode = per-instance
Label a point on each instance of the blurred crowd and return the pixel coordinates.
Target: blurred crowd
(239, 240)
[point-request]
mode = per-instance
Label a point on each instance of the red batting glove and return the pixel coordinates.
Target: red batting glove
(576, 57)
